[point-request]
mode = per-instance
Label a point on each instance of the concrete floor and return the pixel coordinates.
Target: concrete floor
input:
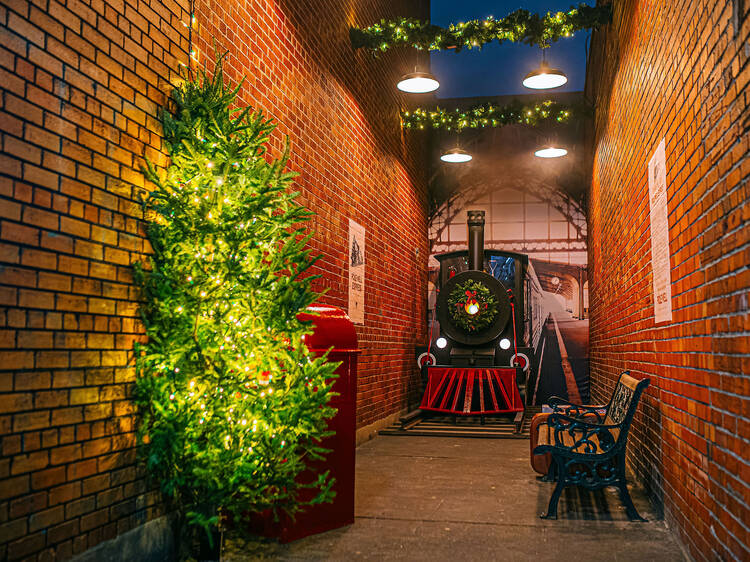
(428, 498)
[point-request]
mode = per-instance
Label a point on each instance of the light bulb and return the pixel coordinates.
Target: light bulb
(545, 78)
(472, 307)
(505, 343)
(418, 83)
(441, 343)
(550, 152)
(456, 155)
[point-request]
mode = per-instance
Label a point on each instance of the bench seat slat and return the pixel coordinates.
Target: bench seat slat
(547, 437)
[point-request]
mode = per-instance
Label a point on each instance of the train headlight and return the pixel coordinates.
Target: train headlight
(441, 342)
(505, 343)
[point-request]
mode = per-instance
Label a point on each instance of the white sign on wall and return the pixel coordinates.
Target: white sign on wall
(356, 255)
(657, 191)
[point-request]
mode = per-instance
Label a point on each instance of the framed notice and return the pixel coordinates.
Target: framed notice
(657, 194)
(356, 272)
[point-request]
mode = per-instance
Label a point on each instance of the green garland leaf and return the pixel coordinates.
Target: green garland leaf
(520, 26)
(461, 295)
(489, 115)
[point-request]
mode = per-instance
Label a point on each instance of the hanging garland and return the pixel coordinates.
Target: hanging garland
(472, 306)
(488, 115)
(520, 26)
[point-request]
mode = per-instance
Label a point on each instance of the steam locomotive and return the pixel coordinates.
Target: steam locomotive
(479, 358)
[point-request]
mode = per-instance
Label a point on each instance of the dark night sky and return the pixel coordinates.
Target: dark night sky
(499, 69)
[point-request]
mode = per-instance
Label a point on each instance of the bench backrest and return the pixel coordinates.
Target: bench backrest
(624, 401)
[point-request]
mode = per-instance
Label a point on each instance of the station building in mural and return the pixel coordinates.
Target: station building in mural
(528, 213)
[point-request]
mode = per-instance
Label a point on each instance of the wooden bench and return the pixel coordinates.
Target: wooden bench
(588, 446)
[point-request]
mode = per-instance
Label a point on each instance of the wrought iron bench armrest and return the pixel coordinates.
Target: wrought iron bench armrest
(560, 405)
(572, 421)
(582, 433)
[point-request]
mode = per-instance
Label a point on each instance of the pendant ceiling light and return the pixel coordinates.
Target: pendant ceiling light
(545, 78)
(550, 152)
(418, 83)
(456, 155)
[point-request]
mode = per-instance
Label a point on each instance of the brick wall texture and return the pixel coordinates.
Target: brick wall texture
(81, 84)
(677, 71)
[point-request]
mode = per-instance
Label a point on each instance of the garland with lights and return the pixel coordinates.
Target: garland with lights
(232, 404)
(488, 115)
(472, 306)
(518, 26)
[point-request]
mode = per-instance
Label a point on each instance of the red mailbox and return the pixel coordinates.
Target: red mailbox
(333, 329)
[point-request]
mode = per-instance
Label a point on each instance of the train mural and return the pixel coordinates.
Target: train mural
(493, 321)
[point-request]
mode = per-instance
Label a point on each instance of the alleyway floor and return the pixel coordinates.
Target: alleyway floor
(428, 498)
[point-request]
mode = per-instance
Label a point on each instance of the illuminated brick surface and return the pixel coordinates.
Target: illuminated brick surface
(82, 81)
(679, 71)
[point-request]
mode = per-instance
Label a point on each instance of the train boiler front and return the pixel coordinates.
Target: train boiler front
(479, 322)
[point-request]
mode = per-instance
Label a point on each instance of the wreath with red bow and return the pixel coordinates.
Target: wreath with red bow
(472, 306)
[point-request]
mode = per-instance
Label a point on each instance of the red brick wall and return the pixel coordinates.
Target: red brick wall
(678, 71)
(82, 81)
(341, 113)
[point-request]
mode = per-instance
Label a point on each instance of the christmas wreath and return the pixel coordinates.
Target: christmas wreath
(472, 306)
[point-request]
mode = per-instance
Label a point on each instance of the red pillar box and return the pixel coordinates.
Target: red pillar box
(332, 329)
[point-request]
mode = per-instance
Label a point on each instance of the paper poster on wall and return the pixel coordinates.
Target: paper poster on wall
(657, 191)
(356, 272)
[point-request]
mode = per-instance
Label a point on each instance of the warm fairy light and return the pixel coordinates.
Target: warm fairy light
(486, 115)
(521, 25)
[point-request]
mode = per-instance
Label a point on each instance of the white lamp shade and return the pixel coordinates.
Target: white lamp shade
(456, 155)
(550, 152)
(418, 83)
(545, 78)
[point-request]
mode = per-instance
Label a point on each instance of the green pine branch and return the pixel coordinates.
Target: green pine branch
(232, 404)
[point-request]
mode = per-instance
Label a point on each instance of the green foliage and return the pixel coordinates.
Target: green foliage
(232, 404)
(518, 26)
(472, 306)
(489, 115)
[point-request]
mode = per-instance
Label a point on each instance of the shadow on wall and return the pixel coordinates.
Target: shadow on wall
(601, 68)
(356, 72)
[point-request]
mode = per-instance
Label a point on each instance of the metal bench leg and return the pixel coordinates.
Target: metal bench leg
(630, 509)
(552, 507)
(551, 475)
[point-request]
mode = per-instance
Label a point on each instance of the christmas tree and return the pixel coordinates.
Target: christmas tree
(232, 404)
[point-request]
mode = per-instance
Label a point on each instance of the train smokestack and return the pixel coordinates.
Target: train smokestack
(475, 221)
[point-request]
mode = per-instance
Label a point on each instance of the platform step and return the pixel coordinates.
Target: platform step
(422, 424)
